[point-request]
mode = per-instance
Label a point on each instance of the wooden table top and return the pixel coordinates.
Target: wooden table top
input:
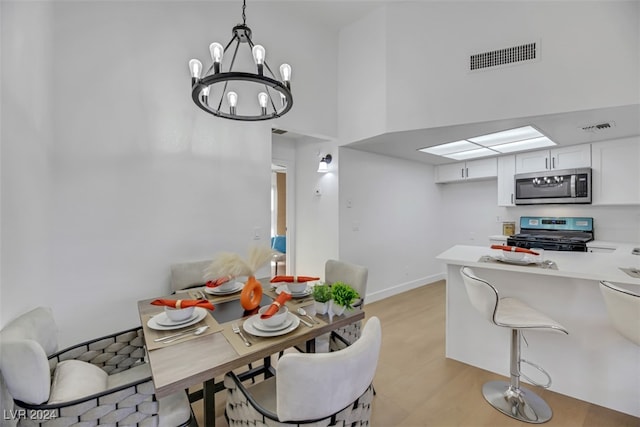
(188, 363)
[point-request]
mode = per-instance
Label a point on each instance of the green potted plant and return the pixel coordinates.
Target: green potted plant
(321, 296)
(343, 296)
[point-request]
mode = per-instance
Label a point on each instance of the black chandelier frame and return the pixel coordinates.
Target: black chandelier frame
(241, 34)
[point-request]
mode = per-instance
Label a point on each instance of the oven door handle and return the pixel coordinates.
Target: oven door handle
(574, 177)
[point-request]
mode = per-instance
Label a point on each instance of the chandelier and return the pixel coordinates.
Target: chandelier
(218, 92)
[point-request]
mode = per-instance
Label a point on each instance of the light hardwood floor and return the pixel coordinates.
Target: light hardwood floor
(417, 386)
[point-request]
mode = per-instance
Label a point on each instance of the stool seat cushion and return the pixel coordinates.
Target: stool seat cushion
(513, 313)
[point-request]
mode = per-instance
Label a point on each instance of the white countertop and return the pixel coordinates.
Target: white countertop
(578, 265)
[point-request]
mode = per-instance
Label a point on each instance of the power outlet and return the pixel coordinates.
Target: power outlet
(256, 233)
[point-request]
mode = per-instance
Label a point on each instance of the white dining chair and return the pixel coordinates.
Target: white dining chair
(623, 307)
(311, 389)
(187, 275)
(104, 381)
(356, 276)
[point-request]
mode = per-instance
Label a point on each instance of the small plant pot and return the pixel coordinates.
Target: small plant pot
(337, 310)
(321, 307)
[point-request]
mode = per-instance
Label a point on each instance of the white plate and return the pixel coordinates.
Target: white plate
(258, 324)
(200, 313)
(217, 291)
(283, 288)
(526, 260)
(249, 327)
(163, 320)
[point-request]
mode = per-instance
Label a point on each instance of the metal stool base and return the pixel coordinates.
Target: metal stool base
(521, 404)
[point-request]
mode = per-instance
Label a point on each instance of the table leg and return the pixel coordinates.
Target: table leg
(267, 367)
(209, 402)
(311, 346)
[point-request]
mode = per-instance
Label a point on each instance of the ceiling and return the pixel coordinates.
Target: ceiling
(562, 128)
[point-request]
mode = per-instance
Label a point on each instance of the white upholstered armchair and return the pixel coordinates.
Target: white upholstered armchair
(104, 381)
(311, 389)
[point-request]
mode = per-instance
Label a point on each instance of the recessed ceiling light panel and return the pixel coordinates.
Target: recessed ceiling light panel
(450, 147)
(472, 154)
(505, 136)
(527, 144)
(508, 141)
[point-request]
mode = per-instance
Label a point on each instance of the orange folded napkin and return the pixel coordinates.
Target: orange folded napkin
(183, 303)
(217, 282)
(513, 249)
(276, 304)
(291, 279)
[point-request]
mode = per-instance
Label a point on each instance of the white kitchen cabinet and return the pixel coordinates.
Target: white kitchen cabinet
(616, 172)
(506, 184)
(463, 171)
(574, 156)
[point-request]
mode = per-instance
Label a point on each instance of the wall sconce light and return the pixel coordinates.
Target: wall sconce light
(324, 164)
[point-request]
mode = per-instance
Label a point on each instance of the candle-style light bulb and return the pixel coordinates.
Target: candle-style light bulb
(285, 73)
(232, 97)
(258, 56)
(263, 98)
(217, 52)
(196, 70)
(205, 94)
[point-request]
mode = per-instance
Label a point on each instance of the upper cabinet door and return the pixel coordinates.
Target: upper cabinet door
(450, 172)
(462, 171)
(506, 184)
(616, 176)
(575, 156)
(532, 161)
(481, 168)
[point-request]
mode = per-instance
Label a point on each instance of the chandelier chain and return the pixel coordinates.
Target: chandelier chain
(244, 16)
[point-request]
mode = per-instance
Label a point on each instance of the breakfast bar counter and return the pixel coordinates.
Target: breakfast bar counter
(593, 363)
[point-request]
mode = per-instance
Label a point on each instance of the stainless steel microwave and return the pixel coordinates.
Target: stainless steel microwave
(556, 186)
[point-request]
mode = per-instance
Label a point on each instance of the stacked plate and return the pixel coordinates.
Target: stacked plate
(161, 322)
(254, 326)
(282, 287)
(237, 286)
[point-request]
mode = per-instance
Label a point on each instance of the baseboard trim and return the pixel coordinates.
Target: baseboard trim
(403, 287)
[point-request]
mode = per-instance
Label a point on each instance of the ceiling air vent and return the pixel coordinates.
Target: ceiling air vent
(599, 127)
(278, 131)
(505, 56)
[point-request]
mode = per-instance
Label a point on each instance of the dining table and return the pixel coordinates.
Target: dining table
(194, 360)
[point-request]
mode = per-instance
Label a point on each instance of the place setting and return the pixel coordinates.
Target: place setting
(270, 321)
(519, 256)
(223, 286)
(298, 286)
(180, 321)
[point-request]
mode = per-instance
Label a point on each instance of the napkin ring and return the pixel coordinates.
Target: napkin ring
(277, 304)
(179, 304)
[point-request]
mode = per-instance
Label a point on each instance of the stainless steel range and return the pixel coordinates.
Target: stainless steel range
(553, 233)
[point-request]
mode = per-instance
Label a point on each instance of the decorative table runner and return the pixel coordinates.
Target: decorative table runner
(258, 343)
(152, 334)
(548, 264)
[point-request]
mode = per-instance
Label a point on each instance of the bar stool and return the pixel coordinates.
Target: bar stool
(623, 307)
(508, 397)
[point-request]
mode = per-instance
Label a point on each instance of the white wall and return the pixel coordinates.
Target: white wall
(390, 219)
(117, 174)
(26, 135)
(588, 58)
(316, 215)
(362, 65)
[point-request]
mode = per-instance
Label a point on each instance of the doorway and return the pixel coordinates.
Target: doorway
(279, 219)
